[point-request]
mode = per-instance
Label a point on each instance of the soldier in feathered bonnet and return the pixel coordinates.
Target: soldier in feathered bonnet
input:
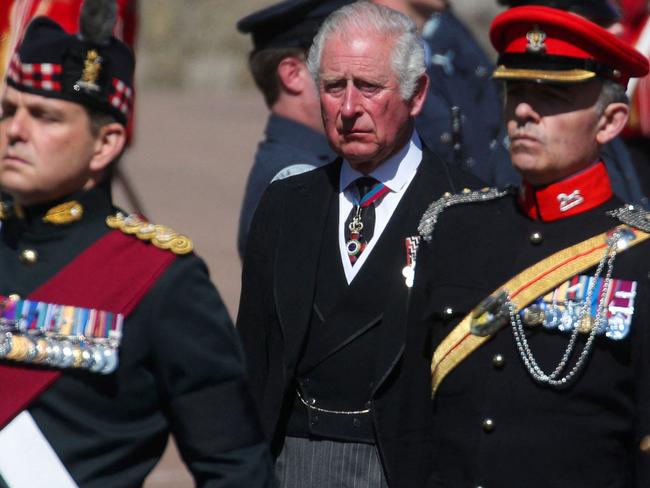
(112, 335)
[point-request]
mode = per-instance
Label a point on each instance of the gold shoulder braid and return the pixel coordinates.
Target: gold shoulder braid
(64, 214)
(160, 236)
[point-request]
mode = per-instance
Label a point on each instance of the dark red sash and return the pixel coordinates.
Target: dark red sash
(113, 275)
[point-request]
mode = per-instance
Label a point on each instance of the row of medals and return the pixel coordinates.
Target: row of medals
(98, 356)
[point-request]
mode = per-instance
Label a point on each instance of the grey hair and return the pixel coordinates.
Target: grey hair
(611, 92)
(407, 58)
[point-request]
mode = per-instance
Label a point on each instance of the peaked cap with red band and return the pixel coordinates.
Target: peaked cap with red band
(548, 45)
(52, 63)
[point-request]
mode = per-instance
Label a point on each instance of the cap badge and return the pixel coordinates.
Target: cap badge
(536, 38)
(90, 74)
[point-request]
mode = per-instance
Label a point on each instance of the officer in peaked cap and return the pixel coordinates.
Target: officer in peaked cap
(624, 177)
(294, 141)
(112, 335)
(530, 309)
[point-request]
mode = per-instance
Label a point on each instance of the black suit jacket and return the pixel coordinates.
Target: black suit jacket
(278, 288)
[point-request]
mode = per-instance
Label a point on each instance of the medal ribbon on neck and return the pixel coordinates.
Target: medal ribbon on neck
(355, 245)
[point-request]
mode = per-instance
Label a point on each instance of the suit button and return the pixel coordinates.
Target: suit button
(498, 361)
(536, 237)
(447, 312)
(356, 423)
(445, 137)
(488, 425)
(312, 401)
(28, 256)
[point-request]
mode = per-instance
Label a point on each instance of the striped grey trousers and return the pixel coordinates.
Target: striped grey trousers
(305, 463)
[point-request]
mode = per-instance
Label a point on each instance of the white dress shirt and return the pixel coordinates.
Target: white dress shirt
(396, 173)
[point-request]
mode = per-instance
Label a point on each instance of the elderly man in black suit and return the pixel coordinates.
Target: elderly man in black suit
(324, 356)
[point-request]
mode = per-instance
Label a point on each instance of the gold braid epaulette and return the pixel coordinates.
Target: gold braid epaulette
(160, 236)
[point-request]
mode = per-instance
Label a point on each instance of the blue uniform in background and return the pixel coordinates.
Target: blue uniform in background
(289, 148)
(460, 74)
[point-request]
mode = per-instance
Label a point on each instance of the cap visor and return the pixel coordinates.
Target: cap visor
(551, 76)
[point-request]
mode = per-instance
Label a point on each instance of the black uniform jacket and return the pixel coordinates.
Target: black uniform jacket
(278, 292)
(492, 424)
(181, 370)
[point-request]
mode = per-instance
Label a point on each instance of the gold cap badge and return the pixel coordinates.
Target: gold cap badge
(90, 74)
(536, 38)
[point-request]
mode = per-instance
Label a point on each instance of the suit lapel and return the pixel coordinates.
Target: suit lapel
(430, 182)
(305, 210)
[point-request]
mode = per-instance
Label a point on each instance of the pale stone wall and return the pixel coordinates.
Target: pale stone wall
(194, 43)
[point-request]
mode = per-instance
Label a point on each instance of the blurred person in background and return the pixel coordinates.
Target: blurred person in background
(635, 30)
(294, 140)
(461, 119)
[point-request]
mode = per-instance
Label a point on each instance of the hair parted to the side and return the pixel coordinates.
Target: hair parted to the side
(363, 17)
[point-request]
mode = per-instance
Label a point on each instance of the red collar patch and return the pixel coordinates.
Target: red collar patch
(571, 196)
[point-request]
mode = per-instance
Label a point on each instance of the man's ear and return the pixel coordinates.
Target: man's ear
(109, 144)
(419, 95)
(612, 122)
(291, 73)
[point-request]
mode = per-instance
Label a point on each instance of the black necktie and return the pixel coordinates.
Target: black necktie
(360, 224)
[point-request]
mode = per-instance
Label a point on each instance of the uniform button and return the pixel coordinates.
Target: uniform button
(447, 312)
(644, 445)
(315, 420)
(470, 162)
(368, 404)
(488, 425)
(536, 237)
(481, 71)
(312, 401)
(29, 256)
(445, 137)
(498, 361)
(356, 423)
(494, 144)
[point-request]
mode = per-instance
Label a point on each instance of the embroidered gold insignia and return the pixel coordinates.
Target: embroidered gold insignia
(536, 38)
(90, 74)
(160, 236)
(5, 211)
(64, 214)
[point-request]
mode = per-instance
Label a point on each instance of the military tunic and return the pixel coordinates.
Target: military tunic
(180, 369)
(493, 425)
(289, 148)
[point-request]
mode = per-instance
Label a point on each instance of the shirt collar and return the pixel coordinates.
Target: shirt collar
(395, 172)
(574, 195)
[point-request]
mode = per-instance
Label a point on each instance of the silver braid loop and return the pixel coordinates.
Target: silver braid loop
(632, 215)
(553, 379)
(430, 216)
